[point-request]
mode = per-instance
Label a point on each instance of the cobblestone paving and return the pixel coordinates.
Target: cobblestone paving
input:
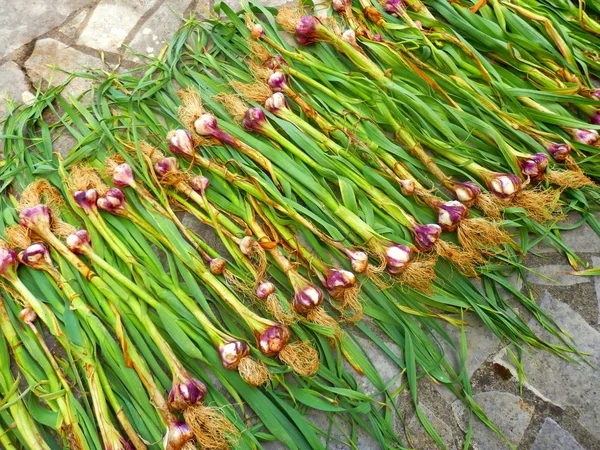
(559, 405)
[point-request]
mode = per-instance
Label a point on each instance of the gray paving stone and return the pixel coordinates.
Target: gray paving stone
(421, 439)
(558, 274)
(553, 437)
(561, 382)
(159, 28)
(481, 343)
(111, 22)
(73, 27)
(581, 240)
(48, 53)
(596, 263)
(19, 24)
(510, 413)
(13, 85)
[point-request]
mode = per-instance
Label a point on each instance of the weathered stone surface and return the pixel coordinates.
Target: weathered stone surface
(596, 263)
(510, 413)
(158, 29)
(553, 437)
(481, 343)
(48, 53)
(111, 22)
(581, 240)
(73, 27)
(386, 368)
(420, 437)
(558, 274)
(13, 86)
(20, 22)
(561, 382)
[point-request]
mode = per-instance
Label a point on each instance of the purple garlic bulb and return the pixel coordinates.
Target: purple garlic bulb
(186, 393)
(450, 214)
(426, 236)
(273, 339)
(307, 298)
(181, 142)
(397, 257)
(504, 185)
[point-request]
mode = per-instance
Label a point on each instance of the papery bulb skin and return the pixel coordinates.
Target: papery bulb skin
(112, 202)
(407, 187)
(426, 236)
(587, 137)
(177, 435)
(86, 199)
(232, 352)
(504, 185)
(199, 183)
(340, 6)
(257, 31)
(166, 166)
(534, 167)
(466, 192)
(186, 393)
(123, 175)
(450, 214)
(559, 151)
(277, 81)
(79, 242)
(418, 24)
(272, 340)
(27, 315)
(8, 261)
(339, 279)
(255, 120)
(397, 257)
(181, 142)
(39, 217)
(394, 6)
(349, 36)
(276, 102)
(35, 255)
(246, 245)
(359, 260)
(206, 125)
(595, 119)
(307, 30)
(595, 94)
(377, 38)
(218, 266)
(264, 289)
(276, 62)
(307, 298)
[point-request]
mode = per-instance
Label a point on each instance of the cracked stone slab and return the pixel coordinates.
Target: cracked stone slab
(158, 29)
(19, 24)
(571, 384)
(111, 22)
(558, 274)
(13, 85)
(510, 413)
(72, 28)
(49, 52)
(553, 437)
(421, 439)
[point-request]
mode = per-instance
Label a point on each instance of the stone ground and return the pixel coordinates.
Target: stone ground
(558, 407)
